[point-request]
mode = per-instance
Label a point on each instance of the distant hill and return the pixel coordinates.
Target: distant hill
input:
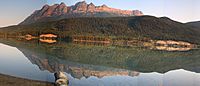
(137, 26)
(80, 9)
(195, 24)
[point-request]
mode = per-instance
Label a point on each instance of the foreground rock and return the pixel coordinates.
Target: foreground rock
(61, 79)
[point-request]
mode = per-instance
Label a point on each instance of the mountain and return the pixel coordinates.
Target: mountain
(194, 24)
(80, 9)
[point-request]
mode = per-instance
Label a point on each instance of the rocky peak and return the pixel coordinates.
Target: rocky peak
(80, 9)
(104, 6)
(45, 6)
(61, 9)
(91, 7)
(62, 4)
(91, 4)
(137, 13)
(50, 10)
(81, 2)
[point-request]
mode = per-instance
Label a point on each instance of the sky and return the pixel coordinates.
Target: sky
(15, 11)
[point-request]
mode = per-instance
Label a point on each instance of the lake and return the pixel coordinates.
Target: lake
(99, 64)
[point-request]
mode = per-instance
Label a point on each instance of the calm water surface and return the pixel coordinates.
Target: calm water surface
(91, 65)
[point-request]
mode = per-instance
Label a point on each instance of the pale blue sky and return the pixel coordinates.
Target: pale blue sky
(14, 11)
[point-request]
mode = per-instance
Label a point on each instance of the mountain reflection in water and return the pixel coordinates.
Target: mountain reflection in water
(99, 65)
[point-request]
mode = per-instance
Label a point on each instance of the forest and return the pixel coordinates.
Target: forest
(115, 27)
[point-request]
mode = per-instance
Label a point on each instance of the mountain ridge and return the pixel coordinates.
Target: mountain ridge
(194, 24)
(80, 9)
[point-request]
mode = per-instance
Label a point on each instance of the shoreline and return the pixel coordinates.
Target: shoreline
(7, 80)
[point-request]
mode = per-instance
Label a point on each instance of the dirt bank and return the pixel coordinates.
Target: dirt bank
(6, 80)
